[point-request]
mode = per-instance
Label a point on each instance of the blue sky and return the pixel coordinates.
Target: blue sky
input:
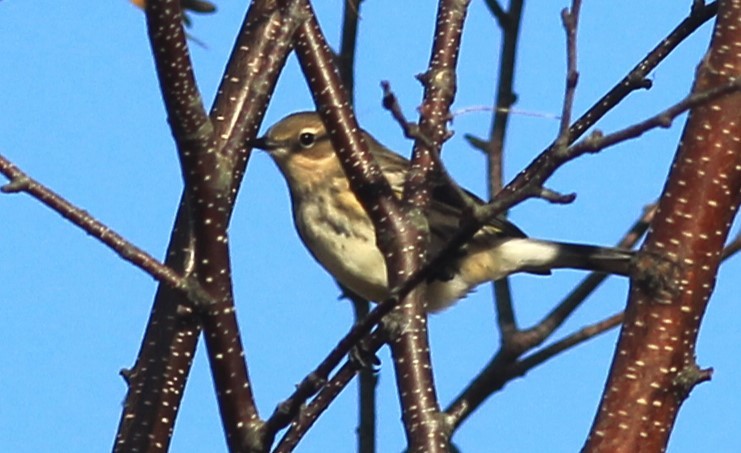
(82, 114)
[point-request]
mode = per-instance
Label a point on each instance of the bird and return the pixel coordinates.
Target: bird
(340, 235)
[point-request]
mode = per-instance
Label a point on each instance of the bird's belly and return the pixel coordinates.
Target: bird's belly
(347, 251)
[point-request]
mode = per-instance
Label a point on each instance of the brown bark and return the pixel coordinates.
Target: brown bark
(654, 368)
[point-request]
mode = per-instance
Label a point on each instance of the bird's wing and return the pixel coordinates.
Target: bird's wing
(446, 212)
(447, 207)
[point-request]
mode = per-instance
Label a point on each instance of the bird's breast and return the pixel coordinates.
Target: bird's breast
(340, 236)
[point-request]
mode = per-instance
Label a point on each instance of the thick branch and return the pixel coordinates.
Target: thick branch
(207, 187)
(654, 367)
(426, 428)
(158, 378)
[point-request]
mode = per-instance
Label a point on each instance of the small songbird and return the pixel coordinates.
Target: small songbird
(339, 234)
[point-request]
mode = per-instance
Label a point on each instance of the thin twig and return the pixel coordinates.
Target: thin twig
(570, 19)
(346, 58)
(494, 147)
(411, 130)
(556, 317)
(597, 142)
(499, 13)
(732, 247)
(21, 182)
(636, 78)
(311, 412)
(529, 362)
(528, 184)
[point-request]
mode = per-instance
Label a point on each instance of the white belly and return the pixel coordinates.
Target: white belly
(346, 251)
(346, 247)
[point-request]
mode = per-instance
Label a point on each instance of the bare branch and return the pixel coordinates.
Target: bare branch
(21, 182)
(597, 142)
(570, 19)
(346, 58)
(208, 189)
(521, 367)
(494, 147)
(411, 130)
(655, 368)
(157, 380)
(636, 78)
(309, 414)
(529, 182)
(499, 13)
(732, 247)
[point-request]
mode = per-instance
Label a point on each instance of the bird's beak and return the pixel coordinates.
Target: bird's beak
(263, 143)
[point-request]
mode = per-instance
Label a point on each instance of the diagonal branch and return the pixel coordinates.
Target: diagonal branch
(732, 248)
(309, 414)
(21, 182)
(654, 367)
(426, 428)
(157, 380)
(636, 78)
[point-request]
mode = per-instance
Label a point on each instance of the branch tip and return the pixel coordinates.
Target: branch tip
(18, 184)
(555, 197)
(476, 142)
(689, 377)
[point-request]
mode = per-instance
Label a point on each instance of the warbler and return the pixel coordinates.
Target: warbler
(336, 229)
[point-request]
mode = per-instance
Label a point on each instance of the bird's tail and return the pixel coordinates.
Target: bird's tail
(511, 255)
(542, 256)
(609, 260)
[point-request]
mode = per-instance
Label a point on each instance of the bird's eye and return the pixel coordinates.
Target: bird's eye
(306, 139)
